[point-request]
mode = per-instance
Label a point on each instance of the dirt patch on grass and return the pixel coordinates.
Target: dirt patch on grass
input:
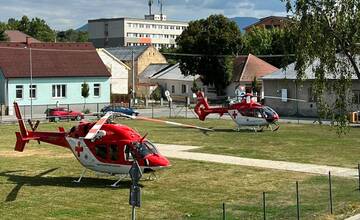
(28, 153)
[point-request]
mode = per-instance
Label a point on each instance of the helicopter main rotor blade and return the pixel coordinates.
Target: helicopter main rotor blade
(95, 129)
(166, 122)
(275, 97)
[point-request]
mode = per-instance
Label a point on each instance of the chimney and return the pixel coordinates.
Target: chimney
(28, 41)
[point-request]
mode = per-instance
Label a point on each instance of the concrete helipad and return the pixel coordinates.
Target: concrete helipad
(182, 152)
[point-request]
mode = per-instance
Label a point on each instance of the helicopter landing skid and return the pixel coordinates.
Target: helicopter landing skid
(152, 176)
(81, 176)
(115, 185)
(254, 129)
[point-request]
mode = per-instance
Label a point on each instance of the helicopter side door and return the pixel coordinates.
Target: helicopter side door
(248, 117)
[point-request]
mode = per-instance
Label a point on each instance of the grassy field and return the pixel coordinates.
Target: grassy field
(36, 184)
(297, 143)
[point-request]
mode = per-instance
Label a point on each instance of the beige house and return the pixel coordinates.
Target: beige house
(283, 84)
(143, 57)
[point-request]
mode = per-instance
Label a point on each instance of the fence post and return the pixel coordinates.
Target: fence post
(68, 117)
(152, 110)
(264, 205)
(359, 174)
(24, 111)
(330, 194)
(224, 211)
(97, 107)
(297, 201)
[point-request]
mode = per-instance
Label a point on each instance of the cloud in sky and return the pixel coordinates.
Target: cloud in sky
(67, 14)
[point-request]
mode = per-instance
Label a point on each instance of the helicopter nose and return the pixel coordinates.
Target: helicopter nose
(157, 161)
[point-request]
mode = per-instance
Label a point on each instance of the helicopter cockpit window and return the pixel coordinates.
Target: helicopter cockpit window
(114, 152)
(142, 149)
(151, 147)
(128, 155)
(257, 113)
(268, 112)
(101, 151)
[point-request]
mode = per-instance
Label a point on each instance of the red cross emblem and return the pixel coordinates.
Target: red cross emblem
(79, 149)
(234, 114)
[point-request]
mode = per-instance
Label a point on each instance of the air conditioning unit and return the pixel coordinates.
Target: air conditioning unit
(284, 95)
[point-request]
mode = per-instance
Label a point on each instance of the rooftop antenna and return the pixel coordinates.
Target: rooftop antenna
(150, 3)
(161, 2)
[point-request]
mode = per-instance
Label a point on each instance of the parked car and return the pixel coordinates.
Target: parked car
(56, 114)
(127, 111)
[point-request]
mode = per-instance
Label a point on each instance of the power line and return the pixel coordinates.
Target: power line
(44, 49)
(222, 55)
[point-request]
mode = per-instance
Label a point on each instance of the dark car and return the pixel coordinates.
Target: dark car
(56, 114)
(127, 111)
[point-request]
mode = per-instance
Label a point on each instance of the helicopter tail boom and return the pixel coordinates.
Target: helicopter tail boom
(201, 106)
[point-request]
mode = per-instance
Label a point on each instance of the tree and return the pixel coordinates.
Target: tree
(85, 91)
(328, 32)
(213, 38)
(276, 41)
(72, 35)
(3, 36)
(36, 28)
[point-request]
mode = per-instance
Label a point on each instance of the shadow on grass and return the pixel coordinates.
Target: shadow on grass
(40, 180)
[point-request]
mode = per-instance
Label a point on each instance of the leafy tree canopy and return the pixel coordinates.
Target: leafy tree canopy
(72, 35)
(211, 37)
(328, 32)
(36, 27)
(3, 36)
(276, 41)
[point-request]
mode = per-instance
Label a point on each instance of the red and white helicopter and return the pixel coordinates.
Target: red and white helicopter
(245, 112)
(99, 146)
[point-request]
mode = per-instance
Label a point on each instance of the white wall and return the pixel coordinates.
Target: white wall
(119, 72)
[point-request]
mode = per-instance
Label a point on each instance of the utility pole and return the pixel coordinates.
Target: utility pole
(133, 76)
(31, 77)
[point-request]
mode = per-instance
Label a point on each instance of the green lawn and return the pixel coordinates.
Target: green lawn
(297, 143)
(189, 189)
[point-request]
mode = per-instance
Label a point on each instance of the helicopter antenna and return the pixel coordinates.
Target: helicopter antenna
(150, 3)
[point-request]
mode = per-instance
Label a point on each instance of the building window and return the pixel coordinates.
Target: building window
(183, 89)
(172, 27)
(106, 30)
(172, 89)
(356, 97)
(177, 27)
(166, 27)
(97, 89)
(58, 91)
(141, 25)
(148, 26)
(32, 91)
(19, 91)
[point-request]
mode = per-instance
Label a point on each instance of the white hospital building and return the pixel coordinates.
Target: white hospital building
(154, 29)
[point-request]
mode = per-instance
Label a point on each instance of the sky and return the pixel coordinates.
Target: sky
(66, 14)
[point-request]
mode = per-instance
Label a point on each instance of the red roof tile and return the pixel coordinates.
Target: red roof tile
(19, 37)
(247, 68)
(51, 60)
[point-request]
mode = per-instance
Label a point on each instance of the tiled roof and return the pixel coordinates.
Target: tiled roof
(51, 60)
(125, 53)
(247, 68)
(19, 37)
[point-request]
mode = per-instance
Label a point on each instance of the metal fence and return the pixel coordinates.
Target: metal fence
(322, 196)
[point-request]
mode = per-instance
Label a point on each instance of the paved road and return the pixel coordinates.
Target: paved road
(181, 152)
